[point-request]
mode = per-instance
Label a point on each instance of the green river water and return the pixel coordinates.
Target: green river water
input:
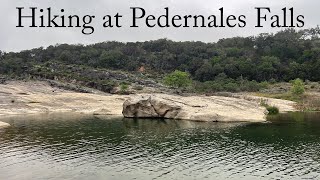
(61, 147)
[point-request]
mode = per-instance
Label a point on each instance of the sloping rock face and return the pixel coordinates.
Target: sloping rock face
(203, 108)
(37, 97)
(150, 107)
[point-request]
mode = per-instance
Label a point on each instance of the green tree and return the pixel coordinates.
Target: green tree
(297, 87)
(205, 72)
(268, 67)
(111, 59)
(178, 79)
(66, 56)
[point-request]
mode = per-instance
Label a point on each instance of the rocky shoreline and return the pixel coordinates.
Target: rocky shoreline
(36, 97)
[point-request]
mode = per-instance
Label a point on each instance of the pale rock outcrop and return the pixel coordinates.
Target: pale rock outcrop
(36, 97)
(214, 108)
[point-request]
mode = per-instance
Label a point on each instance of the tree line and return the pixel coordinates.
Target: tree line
(283, 56)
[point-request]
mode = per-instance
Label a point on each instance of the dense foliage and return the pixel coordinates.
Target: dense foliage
(286, 55)
(177, 79)
(297, 87)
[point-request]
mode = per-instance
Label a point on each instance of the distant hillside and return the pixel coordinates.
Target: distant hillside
(283, 56)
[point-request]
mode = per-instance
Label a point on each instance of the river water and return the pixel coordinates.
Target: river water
(61, 147)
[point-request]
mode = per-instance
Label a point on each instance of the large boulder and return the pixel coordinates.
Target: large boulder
(150, 107)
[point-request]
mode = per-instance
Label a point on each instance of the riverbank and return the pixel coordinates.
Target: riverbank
(35, 97)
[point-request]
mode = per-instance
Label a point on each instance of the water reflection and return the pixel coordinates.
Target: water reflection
(85, 147)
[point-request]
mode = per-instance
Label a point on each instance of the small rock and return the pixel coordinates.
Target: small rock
(3, 124)
(101, 112)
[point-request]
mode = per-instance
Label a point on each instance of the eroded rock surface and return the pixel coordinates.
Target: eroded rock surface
(150, 107)
(200, 108)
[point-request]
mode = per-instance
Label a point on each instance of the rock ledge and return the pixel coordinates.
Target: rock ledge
(221, 109)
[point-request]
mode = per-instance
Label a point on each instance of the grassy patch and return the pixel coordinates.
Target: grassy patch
(306, 102)
(286, 96)
(310, 102)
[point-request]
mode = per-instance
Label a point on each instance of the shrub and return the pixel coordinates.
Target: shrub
(231, 87)
(297, 87)
(272, 81)
(272, 110)
(251, 86)
(124, 87)
(264, 85)
(177, 79)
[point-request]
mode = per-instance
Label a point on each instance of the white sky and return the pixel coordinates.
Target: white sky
(16, 39)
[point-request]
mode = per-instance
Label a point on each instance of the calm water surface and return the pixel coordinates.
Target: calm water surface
(59, 147)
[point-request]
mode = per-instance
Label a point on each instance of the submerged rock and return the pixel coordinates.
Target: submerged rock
(222, 109)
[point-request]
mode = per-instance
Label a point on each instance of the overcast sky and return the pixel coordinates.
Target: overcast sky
(16, 39)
